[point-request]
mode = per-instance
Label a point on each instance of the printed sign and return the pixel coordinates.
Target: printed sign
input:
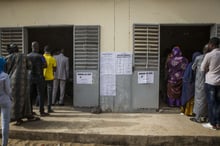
(84, 77)
(145, 77)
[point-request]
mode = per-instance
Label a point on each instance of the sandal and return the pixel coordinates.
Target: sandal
(33, 119)
(18, 122)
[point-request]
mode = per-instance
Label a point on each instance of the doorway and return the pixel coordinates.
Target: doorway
(56, 37)
(190, 39)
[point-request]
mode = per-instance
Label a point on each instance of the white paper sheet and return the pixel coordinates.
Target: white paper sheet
(145, 77)
(107, 74)
(84, 77)
(108, 85)
(123, 63)
(107, 63)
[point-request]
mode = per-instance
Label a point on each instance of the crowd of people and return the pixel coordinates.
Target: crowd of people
(24, 78)
(195, 86)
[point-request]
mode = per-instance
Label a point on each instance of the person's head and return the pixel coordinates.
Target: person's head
(206, 49)
(195, 54)
(12, 48)
(35, 46)
(47, 49)
(213, 43)
(176, 52)
(2, 64)
(62, 50)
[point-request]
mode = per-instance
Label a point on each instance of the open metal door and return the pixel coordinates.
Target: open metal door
(145, 80)
(11, 35)
(86, 66)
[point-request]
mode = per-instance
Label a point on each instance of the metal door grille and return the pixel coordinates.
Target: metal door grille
(218, 30)
(86, 47)
(146, 46)
(11, 35)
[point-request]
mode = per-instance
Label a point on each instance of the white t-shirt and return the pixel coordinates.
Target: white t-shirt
(211, 65)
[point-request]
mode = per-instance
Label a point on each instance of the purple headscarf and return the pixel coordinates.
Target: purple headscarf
(176, 52)
(176, 65)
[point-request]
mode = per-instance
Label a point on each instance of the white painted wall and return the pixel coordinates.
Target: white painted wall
(175, 11)
(115, 17)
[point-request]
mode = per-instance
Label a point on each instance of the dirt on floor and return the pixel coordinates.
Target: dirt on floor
(18, 142)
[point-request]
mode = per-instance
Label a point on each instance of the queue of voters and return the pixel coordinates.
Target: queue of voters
(23, 80)
(193, 86)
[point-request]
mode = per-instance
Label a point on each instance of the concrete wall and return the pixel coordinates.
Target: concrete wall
(116, 17)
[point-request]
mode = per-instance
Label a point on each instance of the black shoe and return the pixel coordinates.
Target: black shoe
(50, 111)
(195, 120)
(44, 114)
(19, 122)
(33, 118)
(62, 104)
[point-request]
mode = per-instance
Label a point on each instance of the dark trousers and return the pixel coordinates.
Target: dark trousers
(49, 85)
(37, 84)
(213, 98)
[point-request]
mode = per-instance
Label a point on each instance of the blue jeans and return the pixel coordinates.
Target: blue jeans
(5, 114)
(213, 98)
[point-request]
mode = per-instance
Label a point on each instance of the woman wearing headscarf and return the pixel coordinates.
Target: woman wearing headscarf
(176, 67)
(17, 68)
(200, 103)
(187, 98)
(5, 102)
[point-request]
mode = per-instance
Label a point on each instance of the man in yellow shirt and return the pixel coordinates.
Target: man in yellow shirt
(49, 75)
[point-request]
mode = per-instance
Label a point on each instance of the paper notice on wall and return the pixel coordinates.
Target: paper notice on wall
(107, 63)
(123, 63)
(107, 74)
(84, 78)
(108, 85)
(145, 77)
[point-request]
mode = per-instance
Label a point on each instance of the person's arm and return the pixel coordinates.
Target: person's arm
(194, 65)
(44, 62)
(54, 65)
(67, 68)
(205, 64)
(7, 87)
(28, 63)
